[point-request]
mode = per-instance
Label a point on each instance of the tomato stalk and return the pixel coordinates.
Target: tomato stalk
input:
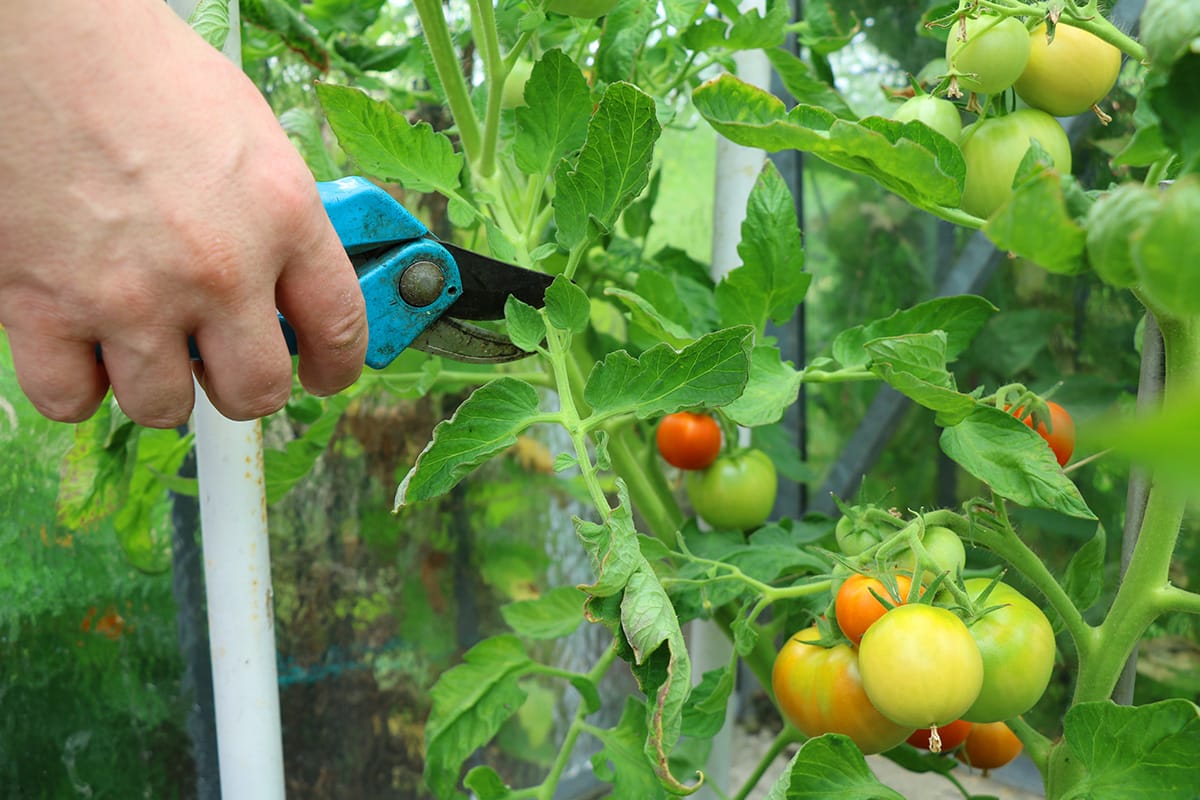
(445, 63)
(785, 738)
(992, 530)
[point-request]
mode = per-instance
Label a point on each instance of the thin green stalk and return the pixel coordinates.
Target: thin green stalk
(1006, 544)
(445, 62)
(1037, 746)
(647, 489)
(496, 72)
(782, 740)
(549, 786)
(838, 375)
(1173, 598)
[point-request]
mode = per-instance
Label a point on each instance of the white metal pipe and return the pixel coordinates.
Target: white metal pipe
(237, 576)
(737, 169)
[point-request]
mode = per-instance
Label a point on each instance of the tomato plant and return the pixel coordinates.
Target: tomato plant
(736, 492)
(920, 666)
(988, 52)
(1070, 74)
(990, 745)
(688, 440)
(819, 690)
(857, 608)
(1060, 434)
(993, 150)
(1016, 642)
(939, 114)
(581, 178)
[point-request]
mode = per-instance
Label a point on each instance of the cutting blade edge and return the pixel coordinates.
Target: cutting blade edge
(488, 283)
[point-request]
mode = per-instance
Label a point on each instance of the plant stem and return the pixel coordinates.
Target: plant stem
(445, 62)
(496, 72)
(549, 786)
(1006, 544)
(1173, 598)
(1139, 598)
(1036, 745)
(647, 489)
(785, 737)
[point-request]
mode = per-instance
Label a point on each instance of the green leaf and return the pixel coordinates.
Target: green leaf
(524, 324)
(961, 317)
(556, 613)
(95, 472)
(210, 19)
(711, 371)
(626, 29)
(1131, 753)
(1169, 30)
(909, 159)
(751, 30)
(1084, 577)
(772, 389)
(304, 129)
(1166, 243)
(638, 217)
(286, 467)
(567, 306)
(612, 169)
(386, 145)
(486, 784)
(828, 767)
(771, 281)
(1010, 457)
(612, 547)
(681, 13)
(142, 529)
(1112, 223)
(621, 762)
(470, 703)
(553, 122)
(802, 84)
(822, 31)
(1034, 223)
(643, 314)
(486, 424)
(278, 17)
(704, 712)
(915, 366)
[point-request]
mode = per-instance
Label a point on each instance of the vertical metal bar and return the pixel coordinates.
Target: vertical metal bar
(237, 571)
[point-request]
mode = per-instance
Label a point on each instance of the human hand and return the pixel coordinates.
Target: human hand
(148, 194)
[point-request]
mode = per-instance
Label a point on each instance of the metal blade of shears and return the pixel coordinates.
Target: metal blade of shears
(488, 283)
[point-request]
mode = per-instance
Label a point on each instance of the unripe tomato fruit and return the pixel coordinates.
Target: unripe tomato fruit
(687, 440)
(1061, 433)
(952, 736)
(990, 745)
(736, 492)
(920, 666)
(820, 691)
(946, 549)
(1069, 75)
(992, 56)
(854, 533)
(939, 114)
(1016, 643)
(587, 9)
(857, 609)
(993, 149)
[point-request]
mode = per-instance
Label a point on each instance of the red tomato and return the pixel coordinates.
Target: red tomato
(952, 736)
(990, 745)
(819, 690)
(688, 441)
(1060, 435)
(857, 609)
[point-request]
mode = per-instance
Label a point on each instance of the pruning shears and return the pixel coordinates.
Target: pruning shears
(419, 289)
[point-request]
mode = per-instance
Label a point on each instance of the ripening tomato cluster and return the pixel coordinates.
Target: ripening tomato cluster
(1055, 75)
(914, 670)
(735, 491)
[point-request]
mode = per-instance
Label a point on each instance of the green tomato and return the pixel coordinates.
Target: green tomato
(941, 115)
(514, 84)
(1069, 75)
(920, 666)
(992, 56)
(993, 149)
(737, 492)
(946, 550)
(854, 533)
(587, 9)
(1016, 642)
